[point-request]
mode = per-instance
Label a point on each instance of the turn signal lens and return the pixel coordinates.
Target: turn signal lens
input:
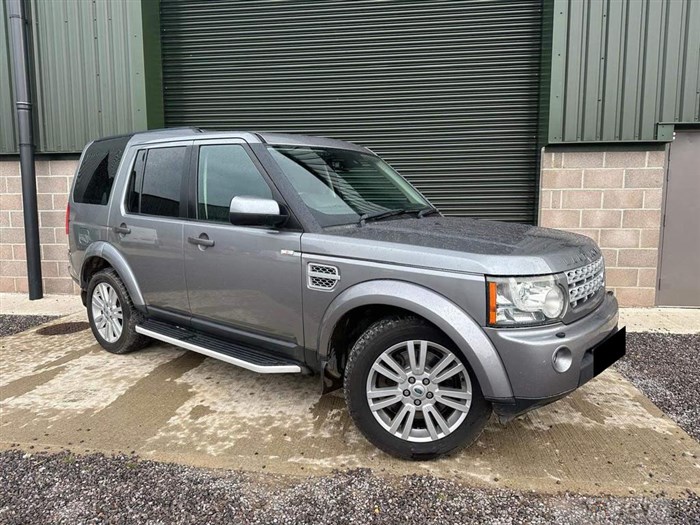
(492, 303)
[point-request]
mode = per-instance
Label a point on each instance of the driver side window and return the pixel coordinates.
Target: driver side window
(226, 171)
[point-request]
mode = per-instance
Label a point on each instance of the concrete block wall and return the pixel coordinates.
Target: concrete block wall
(53, 182)
(615, 198)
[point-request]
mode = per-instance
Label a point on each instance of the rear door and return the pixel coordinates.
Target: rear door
(249, 279)
(148, 226)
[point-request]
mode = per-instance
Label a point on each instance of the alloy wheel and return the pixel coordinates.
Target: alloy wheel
(419, 391)
(107, 312)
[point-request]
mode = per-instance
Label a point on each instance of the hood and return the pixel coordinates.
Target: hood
(457, 244)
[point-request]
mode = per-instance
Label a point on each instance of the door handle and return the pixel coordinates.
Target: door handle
(122, 229)
(203, 240)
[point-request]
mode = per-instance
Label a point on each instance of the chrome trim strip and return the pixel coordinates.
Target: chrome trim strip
(278, 369)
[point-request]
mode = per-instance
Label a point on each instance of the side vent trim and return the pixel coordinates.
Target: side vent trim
(322, 277)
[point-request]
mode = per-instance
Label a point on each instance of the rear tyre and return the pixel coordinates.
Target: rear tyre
(411, 392)
(112, 315)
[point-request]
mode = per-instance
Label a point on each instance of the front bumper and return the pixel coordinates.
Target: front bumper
(593, 342)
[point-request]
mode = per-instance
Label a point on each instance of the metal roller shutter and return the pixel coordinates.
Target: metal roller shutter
(445, 91)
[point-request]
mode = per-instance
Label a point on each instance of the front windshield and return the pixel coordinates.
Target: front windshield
(339, 186)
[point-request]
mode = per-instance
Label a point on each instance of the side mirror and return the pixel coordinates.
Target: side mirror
(255, 211)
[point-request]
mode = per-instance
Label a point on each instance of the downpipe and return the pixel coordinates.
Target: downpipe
(18, 25)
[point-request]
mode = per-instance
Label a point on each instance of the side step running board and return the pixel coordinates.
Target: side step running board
(232, 353)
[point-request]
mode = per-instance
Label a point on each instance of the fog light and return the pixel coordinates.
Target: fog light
(561, 359)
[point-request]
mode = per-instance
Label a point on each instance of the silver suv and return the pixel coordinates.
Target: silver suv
(295, 254)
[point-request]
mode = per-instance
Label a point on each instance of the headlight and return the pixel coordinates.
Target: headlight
(518, 301)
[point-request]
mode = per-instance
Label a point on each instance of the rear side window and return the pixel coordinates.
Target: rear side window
(95, 177)
(226, 171)
(156, 182)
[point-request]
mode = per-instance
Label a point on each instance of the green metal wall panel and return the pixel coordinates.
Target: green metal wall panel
(8, 135)
(621, 67)
(445, 91)
(152, 66)
(89, 58)
(92, 75)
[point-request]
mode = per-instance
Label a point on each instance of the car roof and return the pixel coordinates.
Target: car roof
(287, 139)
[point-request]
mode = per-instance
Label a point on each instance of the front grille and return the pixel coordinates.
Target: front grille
(585, 282)
(322, 276)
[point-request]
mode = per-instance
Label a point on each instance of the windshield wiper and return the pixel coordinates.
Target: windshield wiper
(426, 211)
(379, 215)
(390, 213)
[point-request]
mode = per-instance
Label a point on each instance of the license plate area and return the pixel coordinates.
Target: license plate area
(608, 351)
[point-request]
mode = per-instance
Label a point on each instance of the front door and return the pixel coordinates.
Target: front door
(148, 226)
(247, 279)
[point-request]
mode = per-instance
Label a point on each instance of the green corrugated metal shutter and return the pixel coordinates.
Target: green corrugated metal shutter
(445, 91)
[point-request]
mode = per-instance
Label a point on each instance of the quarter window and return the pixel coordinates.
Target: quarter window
(157, 191)
(226, 171)
(95, 177)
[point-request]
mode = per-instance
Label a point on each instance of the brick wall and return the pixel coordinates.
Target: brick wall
(53, 181)
(615, 198)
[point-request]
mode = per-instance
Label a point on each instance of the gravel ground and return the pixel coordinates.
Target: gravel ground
(666, 367)
(63, 488)
(13, 324)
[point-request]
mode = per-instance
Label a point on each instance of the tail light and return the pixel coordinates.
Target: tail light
(68, 219)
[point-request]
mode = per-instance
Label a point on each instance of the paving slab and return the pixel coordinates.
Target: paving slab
(19, 304)
(661, 320)
(64, 392)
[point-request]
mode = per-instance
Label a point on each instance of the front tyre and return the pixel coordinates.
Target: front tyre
(112, 315)
(411, 393)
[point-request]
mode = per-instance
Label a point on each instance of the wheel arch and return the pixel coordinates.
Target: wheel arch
(104, 251)
(454, 322)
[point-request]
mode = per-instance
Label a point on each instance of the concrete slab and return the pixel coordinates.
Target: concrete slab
(65, 392)
(663, 320)
(19, 304)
